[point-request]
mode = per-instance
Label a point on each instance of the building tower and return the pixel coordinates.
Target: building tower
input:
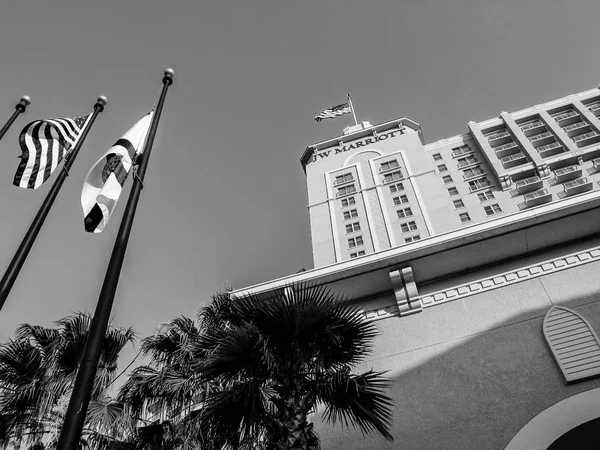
(478, 256)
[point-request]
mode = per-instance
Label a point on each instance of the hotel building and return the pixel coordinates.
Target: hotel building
(478, 256)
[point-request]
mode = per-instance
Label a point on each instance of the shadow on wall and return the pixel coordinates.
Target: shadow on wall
(463, 378)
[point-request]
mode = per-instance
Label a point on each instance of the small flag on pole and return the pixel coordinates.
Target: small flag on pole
(334, 111)
(44, 143)
(104, 182)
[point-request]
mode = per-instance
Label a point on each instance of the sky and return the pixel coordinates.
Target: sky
(224, 201)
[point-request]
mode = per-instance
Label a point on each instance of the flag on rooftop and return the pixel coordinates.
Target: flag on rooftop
(334, 111)
(105, 180)
(44, 144)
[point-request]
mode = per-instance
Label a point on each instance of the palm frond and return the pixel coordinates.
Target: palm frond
(358, 400)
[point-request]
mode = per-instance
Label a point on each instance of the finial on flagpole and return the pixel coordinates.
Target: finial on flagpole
(23, 104)
(168, 76)
(101, 102)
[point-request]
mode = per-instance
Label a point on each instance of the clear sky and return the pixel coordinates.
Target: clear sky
(224, 202)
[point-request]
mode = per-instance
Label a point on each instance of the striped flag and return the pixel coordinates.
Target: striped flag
(44, 143)
(104, 182)
(334, 111)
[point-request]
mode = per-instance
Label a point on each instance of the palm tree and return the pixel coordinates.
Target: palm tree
(37, 373)
(276, 357)
(170, 388)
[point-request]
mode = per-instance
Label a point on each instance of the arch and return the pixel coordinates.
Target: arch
(349, 158)
(573, 343)
(549, 425)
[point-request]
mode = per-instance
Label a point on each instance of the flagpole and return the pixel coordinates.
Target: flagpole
(12, 272)
(84, 383)
(352, 109)
(19, 108)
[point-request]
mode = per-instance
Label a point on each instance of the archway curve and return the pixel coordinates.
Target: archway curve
(369, 150)
(545, 428)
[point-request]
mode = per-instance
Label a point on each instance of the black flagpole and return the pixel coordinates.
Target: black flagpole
(20, 108)
(18, 260)
(82, 391)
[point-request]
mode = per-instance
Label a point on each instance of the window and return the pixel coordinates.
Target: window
(442, 168)
(348, 201)
(350, 214)
(343, 178)
(437, 157)
(479, 184)
(400, 200)
(490, 210)
(352, 227)
(389, 165)
(473, 172)
(412, 239)
(464, 217)
(447, 179)
(392, 176)
(346, 190)
(402, 213)
(452, 191)
(487, 195)
(396, 187)
(355, 241)
(408, 227)
(357, 254)
(458, 204)
(467, 161)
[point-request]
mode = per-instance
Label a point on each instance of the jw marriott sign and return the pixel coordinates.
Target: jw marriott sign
(357, 144)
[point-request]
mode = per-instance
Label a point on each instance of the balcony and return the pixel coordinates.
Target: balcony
(499, 137)
(578, 186)
(541, 138)
(548, 150)
(576, 128)
(469, 162)
(567, 173)
(507, 149)
(391, 166)
(567, 117)
(586, 139)
(513, 160)
(462, 150)
(595, 107)
(477, 185)
(538, 197)
(473, 173)
(343, 181)
(532, 125)
(529, 184)
(345, 191)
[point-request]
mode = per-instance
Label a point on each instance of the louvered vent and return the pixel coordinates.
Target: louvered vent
(573, 342)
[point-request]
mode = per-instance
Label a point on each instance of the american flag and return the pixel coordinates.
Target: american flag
(103, 185)
(334, 111)
(44, 143)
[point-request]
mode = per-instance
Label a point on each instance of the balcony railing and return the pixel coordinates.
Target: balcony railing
(576, 126)
(585, 136)
(529, 184)
(578, 186)
(532, 125)
(538, 197)
(343, 181)
(551, 149)
(539, 137)
(595, 107)
(463, 164)
(567, 173)
(473, 173)
(476, 185)
(499, 135)
(389, 167)
(566, 115)
(513, 160)
(463, 150)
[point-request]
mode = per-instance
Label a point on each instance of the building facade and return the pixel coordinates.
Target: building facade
(478, 256)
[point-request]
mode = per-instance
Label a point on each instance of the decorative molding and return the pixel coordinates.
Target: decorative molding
(405, 290)
(573, 343)
(489, 283)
